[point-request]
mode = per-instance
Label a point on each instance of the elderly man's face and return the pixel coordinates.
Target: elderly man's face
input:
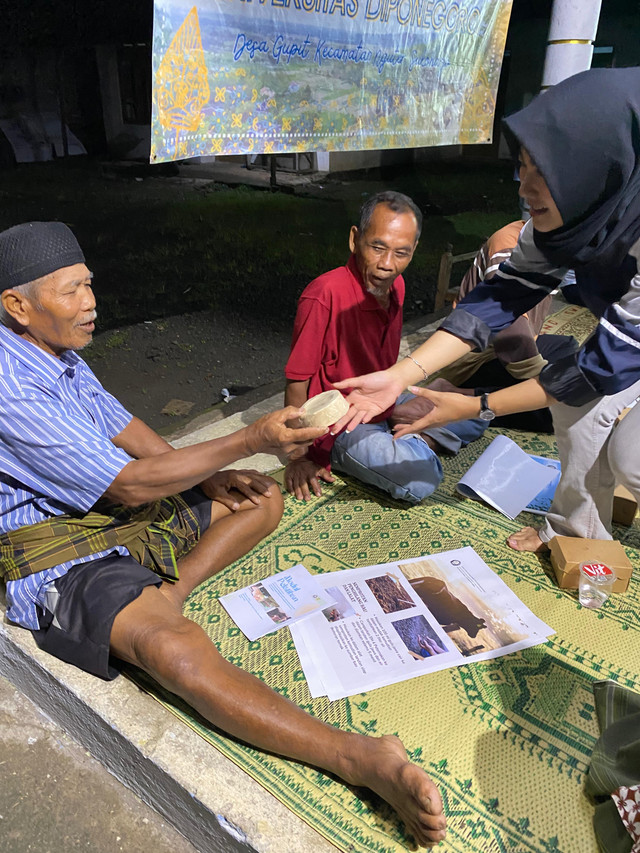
(385, 249)
(64, 315)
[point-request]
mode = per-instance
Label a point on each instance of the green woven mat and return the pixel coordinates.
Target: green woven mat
(507, 741)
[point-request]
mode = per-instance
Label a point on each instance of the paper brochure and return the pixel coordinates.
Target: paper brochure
(276, 601)
(506, 477)
(396, 621)
(541, 504)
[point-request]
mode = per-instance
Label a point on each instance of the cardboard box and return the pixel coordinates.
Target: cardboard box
(623, 414)
(624, 506)
(567, 552)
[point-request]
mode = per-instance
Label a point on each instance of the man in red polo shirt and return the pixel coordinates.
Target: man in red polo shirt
(349, 322)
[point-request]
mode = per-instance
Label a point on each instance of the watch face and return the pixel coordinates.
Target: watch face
(486, 414)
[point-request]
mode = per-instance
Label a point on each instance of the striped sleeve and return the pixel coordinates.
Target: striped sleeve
(108, 412)
(514, 288)
(116, 416)
(608, 362)
(495, 260)
(53, 451)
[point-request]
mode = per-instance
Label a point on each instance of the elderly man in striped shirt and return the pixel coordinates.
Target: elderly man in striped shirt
(105, 528)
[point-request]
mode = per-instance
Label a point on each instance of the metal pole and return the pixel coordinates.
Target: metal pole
(572, 32)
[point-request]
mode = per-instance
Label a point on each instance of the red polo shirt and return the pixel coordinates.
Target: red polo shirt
(341, 330)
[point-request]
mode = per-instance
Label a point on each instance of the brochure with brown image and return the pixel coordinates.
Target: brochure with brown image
(399, 620)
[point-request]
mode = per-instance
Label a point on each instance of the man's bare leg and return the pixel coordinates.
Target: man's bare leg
(152, 633)
(229, 536)
(527, 539)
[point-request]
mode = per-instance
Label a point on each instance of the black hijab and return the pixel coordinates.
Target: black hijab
(584, 136)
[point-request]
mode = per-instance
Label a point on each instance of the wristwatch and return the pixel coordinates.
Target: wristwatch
(486, 412)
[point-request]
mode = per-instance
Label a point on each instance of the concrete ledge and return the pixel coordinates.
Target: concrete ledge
(263, 462)
(206, 797)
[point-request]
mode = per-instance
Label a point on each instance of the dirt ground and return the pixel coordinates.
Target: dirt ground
(169, 371)
(140, 231)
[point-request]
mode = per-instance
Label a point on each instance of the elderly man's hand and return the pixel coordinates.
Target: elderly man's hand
(252, 484)
(416, 408)
(444, 407)
(274, 433)
(301, 478)
(410, 411)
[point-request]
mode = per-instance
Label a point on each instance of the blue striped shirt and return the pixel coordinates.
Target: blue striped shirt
(56, 453)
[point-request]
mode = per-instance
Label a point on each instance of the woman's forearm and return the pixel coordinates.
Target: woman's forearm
(438, 351)
(523, 397)
(450, 406)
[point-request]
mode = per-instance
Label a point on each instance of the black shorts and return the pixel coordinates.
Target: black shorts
(85, 602)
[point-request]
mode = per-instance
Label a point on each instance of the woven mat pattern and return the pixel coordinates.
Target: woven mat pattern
(507, 741)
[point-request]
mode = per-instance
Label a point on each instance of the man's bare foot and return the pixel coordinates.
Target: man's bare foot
(527, 539)
(382, 765)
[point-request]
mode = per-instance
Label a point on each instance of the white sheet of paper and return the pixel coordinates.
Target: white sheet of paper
(505, 477)
(275, 602)
(380, 630)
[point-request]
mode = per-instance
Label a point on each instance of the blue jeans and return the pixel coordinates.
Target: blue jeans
(407, 468)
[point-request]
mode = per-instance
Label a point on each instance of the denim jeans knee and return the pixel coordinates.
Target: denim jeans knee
(407, 469)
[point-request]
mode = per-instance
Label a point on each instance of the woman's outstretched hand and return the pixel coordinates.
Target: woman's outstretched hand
(371, 395)
(447, 407)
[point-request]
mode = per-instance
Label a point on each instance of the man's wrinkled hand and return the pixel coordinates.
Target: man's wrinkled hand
(298, 453)
(301, 478)
(416, 408)
(221, 486)
(371, 395)
(275, 433)
(447, 407)
(411, 411)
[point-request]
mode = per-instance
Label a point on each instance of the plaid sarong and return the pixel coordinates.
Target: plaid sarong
(156, 535)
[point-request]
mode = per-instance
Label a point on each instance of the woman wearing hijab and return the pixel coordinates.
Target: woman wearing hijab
(578, 146)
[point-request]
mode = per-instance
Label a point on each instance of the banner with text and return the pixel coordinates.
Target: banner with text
(267, 76)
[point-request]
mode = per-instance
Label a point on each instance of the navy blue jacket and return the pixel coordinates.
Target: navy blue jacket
(608, 362)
